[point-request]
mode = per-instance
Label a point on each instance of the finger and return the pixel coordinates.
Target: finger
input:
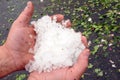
(26, 15)
(59, 17)
(34, 76)
(82, 63)
(67, 23)
(84, 40)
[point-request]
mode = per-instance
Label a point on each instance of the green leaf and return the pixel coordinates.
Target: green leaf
(95, 49)
(100, 73)
(10, 20)
(52, 0)
(3, 41)
(90, 65)
(20, 77)
(97, 70)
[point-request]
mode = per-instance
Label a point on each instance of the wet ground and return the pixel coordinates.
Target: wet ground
(104, 65)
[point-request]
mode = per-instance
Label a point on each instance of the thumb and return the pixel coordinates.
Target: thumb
(26, 14)
(82, 63)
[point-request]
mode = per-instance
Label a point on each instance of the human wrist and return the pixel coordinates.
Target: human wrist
(15, 58)
(8, 54)
(6, 62)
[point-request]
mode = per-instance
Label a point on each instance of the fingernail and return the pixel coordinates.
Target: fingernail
(28, 3)
(27, 6)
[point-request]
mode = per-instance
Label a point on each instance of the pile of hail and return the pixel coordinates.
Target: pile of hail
(56, 46)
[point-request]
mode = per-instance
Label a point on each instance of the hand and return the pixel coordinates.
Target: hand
(68, 73)
(21, 38)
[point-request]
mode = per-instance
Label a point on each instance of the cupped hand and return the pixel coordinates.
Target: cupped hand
(68, 73)
(21, 38)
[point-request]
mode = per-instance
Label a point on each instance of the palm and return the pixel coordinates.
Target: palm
(68, 73)
(21, 38)
(61, 74)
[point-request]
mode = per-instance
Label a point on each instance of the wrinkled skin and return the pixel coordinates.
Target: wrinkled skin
(19, 40)
(22, 37)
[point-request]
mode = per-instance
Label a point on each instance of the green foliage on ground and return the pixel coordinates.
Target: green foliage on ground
(99, 20)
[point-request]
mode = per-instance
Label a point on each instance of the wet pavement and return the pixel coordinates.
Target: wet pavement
(10, 10)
